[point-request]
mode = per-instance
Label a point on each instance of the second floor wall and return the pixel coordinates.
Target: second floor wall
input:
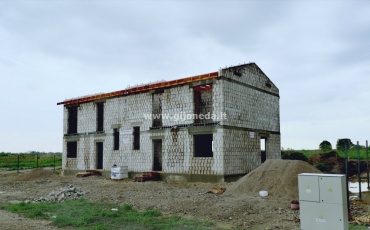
(230, 100)
(177, 105)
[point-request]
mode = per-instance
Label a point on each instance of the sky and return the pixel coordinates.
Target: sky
(316, 52)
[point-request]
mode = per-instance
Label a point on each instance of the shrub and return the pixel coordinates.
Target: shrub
(323, 167)
(294, 156)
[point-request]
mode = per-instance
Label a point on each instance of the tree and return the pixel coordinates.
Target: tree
(325, 146)
(344, 142)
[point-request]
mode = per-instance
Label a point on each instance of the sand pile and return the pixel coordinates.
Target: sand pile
(278, 177)
(35, 174)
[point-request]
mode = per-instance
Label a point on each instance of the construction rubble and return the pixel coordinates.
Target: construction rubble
(67, 193)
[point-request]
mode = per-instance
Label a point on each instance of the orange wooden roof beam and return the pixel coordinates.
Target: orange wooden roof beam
(140, 89)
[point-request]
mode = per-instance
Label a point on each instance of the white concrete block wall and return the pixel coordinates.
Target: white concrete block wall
(176, 101)
(128, 112)
(135, 106)
(250, 76)
(218, 153)
(174, 151)
(248, 108)
(112, 116)
(86, 118)
(125, 112)
(90, 147)
(218, 99)
(64, 155)
(178, 154)
(84, 157)
(234, 151)
(141, 160)
(241, 153)
(123, 157)
(108, 150)
(81, 154)
(207, 105)
(65, 120)
(273, 146)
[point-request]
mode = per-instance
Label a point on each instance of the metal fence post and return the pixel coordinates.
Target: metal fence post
(367, 164)
(346, 169)
(54, 162)
(359, 170)
(37, 161)
(18, 164)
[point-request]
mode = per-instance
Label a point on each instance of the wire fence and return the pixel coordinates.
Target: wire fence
(29, 161)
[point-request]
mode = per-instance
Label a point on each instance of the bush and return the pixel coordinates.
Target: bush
(323, 167)
(294, 156)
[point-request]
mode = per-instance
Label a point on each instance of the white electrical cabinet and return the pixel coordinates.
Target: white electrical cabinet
(323, 201)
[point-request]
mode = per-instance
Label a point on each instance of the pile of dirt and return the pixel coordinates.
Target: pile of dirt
(278, 177)
(333, 163)
(331, 158)
(35, 174)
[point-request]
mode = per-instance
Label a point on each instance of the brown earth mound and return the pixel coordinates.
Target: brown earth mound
(35, 174)
(335, 164)
(331, 158)
(278, 177)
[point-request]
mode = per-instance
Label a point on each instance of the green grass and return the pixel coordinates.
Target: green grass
(352, 153)
(27, 161)
(84, 214)
(357, 227)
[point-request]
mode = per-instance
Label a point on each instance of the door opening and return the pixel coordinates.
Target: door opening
(99, 155)
(157, 155)
(263, 149)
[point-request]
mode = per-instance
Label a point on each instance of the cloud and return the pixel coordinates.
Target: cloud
(316, 53)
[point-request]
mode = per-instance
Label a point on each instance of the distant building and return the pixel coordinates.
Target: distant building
(203, 128)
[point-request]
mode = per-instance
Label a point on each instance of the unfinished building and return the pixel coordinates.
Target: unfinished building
(203, 128)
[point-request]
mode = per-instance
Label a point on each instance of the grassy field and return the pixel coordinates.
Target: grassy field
(357, 227)
(84, 214)
(31, 160)
(352, 153)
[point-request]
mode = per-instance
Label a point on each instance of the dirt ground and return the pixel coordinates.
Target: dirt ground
(11, 221)
(189, 200)
(239, 207)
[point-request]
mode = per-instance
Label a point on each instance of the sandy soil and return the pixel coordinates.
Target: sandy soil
(188, 199)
